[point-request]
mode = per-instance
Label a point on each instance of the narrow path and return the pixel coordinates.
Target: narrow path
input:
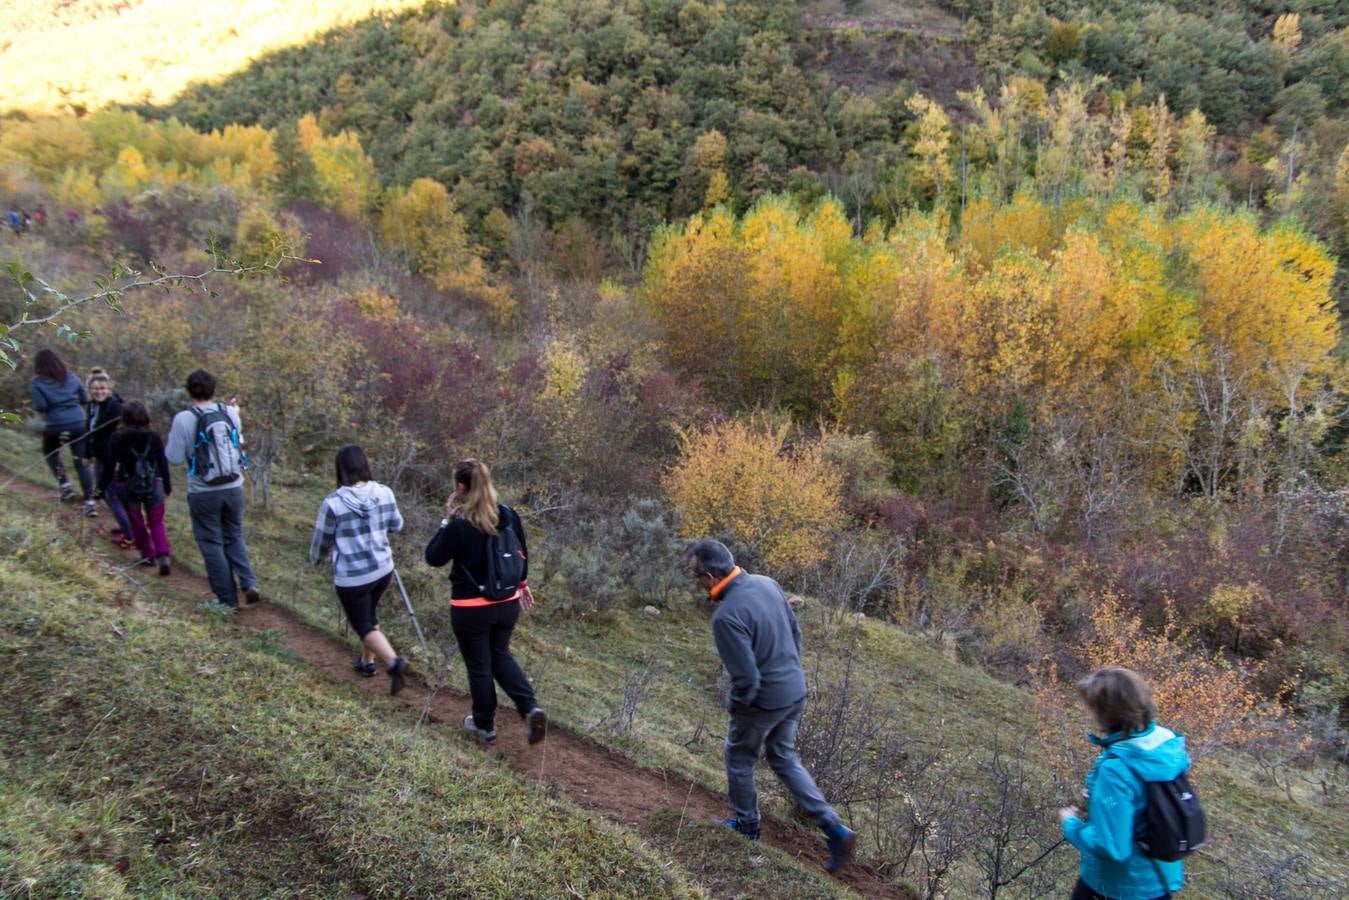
(591, 776)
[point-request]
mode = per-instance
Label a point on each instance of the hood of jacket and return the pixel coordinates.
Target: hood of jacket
(360, 498)
(1153, 754)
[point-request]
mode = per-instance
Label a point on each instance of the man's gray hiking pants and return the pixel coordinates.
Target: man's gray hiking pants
(774, 732)
(218, 526)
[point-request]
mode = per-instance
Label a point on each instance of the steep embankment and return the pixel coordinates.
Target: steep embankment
(282, 762)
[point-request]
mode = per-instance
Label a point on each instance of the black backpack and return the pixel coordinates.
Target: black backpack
(505, 563)
(140, 483)
(1172, 824)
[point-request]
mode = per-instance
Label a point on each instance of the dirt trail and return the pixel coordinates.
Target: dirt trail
(590, 775)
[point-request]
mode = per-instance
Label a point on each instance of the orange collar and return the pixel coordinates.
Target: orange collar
(716, 589)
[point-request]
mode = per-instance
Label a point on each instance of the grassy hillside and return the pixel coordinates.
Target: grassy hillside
(81, 55)
(156, 749)
(157, 742)
(944, 714)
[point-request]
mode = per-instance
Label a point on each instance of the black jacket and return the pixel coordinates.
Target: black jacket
(121, 460)
(459, 542)
(101, 420)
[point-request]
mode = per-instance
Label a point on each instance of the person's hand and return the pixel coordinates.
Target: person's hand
(1069, 812)
(526, 598)
(452, 506)
(168, 494)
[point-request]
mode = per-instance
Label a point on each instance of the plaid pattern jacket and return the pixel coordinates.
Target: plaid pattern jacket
(353, 528)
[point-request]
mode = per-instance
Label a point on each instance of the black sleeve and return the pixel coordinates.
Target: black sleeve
(162, 460)
(519, 528)
(113, 411)
(441, 549)
(110, 463)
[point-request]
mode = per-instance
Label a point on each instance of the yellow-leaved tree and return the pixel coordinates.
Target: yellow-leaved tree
(346, 175)
(1268, 328)
(741, 480)
(752, 307)
(423, 224)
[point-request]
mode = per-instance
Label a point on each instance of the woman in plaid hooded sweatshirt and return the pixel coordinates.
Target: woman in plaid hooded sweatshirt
(353, 529)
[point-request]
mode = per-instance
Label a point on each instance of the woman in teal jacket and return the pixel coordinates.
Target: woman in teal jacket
(1135, 748)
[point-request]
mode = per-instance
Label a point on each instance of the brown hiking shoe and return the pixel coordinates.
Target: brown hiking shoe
(164, 566)
(252, 597)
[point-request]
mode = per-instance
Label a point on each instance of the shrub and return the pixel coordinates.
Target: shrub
(742, 479)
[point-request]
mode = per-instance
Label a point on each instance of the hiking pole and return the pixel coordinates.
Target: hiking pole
(407, 604)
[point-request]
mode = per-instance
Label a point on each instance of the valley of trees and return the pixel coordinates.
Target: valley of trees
(1023, 362)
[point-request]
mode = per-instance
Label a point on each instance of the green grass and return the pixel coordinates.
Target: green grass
(160, 741)
(579, 665)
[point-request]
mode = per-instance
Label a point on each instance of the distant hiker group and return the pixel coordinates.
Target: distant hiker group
(20, 221)
(1142, 817)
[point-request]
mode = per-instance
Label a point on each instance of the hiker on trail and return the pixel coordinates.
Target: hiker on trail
(488, 589)
(40, 217)
(1134, 748)
(72, 218)
(353, 528)
(103, 415)
(15, 221)
(205, 438)
(136, 471)
(60, 397)
(759, 642)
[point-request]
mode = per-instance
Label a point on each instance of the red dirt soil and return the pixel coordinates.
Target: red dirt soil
(591, 776)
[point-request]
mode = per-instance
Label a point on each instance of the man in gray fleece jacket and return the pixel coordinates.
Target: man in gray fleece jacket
(759, 642)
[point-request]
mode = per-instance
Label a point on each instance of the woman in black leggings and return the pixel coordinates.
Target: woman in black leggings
(475, 524)
(60, 396)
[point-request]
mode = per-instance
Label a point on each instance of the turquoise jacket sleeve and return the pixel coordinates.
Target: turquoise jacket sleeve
(1108, 832)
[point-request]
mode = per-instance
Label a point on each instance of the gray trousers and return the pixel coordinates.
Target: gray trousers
(774, 732)
(218, 526)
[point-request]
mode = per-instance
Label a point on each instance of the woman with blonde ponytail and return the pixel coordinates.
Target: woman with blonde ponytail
(478, 531)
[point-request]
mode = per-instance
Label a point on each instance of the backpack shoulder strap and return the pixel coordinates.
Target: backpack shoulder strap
(145, 454)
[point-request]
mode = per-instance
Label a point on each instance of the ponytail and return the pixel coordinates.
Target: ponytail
(481, 500)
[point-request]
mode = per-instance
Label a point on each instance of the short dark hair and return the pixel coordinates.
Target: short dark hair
(1119, 698)
(135, 415)
(201, 385)
(48, 365)
(352, 466)
(710, 557)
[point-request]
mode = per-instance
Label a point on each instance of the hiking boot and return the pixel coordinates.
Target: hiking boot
(67, 492)
(841, 841)
(251, 596)
(471, 727)
(164, 569)
(367, 669)
(537, 720)
(749, 834)
(397, 672)
(90, 509)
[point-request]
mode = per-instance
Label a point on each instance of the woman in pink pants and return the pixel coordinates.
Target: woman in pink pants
(139, 474)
